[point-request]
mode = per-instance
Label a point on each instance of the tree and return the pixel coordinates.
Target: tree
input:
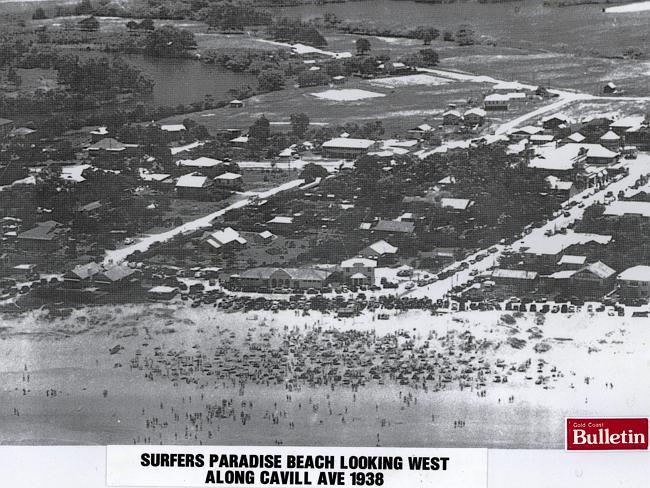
(89, 24)
(363, 45)
(260, 130)
(83, 8)
(465, 35)
(271, 80)
(14, 77)
(429, 35)
(147, 24)
(299, 123)
(429, 57)
(39, 14)
(168, 41)
(312, 171)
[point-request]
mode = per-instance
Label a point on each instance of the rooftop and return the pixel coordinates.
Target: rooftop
(517, 274)
(620, 208)
(202, 162)
(191, 181)
(348, 143)
(636, 273)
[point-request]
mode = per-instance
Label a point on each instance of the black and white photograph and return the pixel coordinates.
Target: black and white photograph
(355, 223)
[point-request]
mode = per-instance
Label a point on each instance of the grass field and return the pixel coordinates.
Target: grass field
(399, 109)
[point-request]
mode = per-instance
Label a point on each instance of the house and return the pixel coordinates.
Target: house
(111, 149)
(394, 227)
(81, 275)
(576, 137)
(525, 132)
(452, 117)
(281, 224)
(240, 141)
(359, 271)
(338, 80)
(206, 166)
(514, 279)
(6, 126)
(638, 137)
(634, 283)
(456, 204)
(227, 238)
(624, 124)
(610, 140)
(563, 189)
(569, 261)
(496, 102)
(192, 186)
(553, 122)
(474, 116)
(256, 279)
(422, 129)
(346, 147)
(44, 237)
(118, 278)
(235, 104)
(155, 179)
(541, 139)
(229, 180)
(380, 251)
(173, 132)
(593, 281)
(610, 88)
(162, 292)
(621, 208)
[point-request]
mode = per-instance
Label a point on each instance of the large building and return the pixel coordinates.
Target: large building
(346, 147)
(295, 278)
(593, 281)
(359, 271)
(45, 237)
(634, 283)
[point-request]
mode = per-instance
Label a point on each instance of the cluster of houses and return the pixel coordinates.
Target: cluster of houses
(577, 278)
(552, 266)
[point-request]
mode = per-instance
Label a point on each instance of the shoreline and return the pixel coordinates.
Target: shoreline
(204, 409)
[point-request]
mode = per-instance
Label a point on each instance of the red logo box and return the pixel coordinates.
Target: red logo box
(606, 434)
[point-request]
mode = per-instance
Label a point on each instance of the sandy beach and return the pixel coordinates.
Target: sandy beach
(194, 376)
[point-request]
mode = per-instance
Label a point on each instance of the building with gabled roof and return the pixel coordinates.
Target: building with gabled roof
(229, 180)
(379, 250)
(394, 227)
(225, 238)
(81, 275)
(593, 280)
(347, 147)
(268, 278)
(44, 237)
(192, 185)
(118, 278)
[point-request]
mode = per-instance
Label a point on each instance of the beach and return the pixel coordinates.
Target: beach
(159, 373)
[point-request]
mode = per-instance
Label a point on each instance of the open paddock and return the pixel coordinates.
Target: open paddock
(399, 109)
